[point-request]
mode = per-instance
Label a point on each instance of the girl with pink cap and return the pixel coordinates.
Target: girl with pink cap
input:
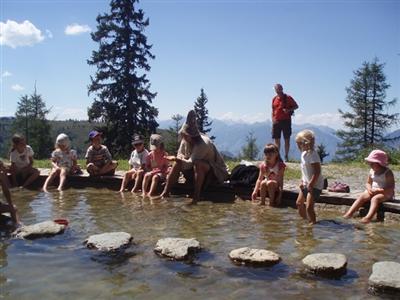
(380, 186)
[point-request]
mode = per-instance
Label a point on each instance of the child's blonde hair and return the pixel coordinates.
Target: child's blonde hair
(62, 139)
(306, 137)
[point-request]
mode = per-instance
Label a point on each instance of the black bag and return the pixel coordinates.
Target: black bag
(243, 175)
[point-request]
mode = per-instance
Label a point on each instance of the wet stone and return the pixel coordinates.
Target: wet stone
(177, 248)
(43, 229)
(255, 257)
(326, 264)
(109, 241)
(385, 277)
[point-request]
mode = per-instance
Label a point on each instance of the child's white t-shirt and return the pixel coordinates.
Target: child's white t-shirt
(64, 159)
(308, 158)
(21, 160)
(138, 158)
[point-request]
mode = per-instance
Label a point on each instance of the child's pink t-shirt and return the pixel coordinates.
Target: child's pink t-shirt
(157, 163)
(274, 171)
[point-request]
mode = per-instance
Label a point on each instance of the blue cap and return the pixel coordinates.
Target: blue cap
(93, 134)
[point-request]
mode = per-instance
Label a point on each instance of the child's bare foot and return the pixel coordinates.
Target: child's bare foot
(346, 216)
(365, 220)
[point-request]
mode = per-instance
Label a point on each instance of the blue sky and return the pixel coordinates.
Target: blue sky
(235, 50)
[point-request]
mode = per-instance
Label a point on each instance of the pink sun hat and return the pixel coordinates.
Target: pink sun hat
(378, 156)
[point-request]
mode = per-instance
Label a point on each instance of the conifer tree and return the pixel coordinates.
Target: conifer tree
(321, 150)
(173, 144)
(202, 113)
(30, 120)
(369, 118)
(250, 150)
(123, 100)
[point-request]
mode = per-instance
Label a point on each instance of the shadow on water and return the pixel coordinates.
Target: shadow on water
(271, 273)
(336, 225)
(347, 279)
(114, 259)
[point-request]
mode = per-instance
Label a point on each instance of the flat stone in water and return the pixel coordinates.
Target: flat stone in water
(109, 241)
(385, 277)
(256, 257)
(326, 264)
(43, 229)
(177, 248)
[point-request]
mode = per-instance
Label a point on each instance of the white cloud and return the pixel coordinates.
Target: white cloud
(6, 74)
(246, 118)
(75, 29)
(65, 113)
(332, 120)
(15, 34)
(49, 34)
(17, 87)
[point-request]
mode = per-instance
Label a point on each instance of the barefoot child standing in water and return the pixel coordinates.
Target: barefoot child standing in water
(380, 186)
(312, 181)
(270, 178)
(7, 207)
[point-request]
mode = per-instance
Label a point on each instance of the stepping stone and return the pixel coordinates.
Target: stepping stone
(326, 264)
(43, 229)
(109, 241)
(385, 277)
(177, 248)
(255, 257)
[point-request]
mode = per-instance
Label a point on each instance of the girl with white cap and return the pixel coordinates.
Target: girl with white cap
(379, 187)
(63, 160)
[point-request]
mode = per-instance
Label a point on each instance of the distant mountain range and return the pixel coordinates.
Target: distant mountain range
(231, 136)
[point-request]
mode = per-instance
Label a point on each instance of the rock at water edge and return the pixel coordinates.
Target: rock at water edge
(43, 229)
(256, 257)
(109, 241)
(385, 277)
(326, 264)
(177, 248)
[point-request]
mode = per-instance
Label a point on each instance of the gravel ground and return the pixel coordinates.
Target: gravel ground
(353, 176)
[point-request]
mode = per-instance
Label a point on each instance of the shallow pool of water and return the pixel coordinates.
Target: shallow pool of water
(61, 267)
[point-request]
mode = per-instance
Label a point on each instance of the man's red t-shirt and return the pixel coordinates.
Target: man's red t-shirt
(277, 108)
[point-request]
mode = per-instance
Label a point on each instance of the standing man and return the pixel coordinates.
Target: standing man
(283, 107)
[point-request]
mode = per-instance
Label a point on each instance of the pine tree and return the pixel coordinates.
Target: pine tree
(321, 150)
(202, 113)
(368, 119)
(250, 150)
(123, 98)
(173, 144)
(30, 120)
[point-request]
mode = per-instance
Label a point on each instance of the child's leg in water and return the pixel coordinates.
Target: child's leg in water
(263, 191)
(300, 205)
(63, 178)
(154, 184)
(375, 201)
(272, 186)
(310, 208)
(53, 174)
(138, 177)
(361, 200)
(127, 178)
(146, 181)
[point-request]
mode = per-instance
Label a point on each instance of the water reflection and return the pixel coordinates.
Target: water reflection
(72, 271)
